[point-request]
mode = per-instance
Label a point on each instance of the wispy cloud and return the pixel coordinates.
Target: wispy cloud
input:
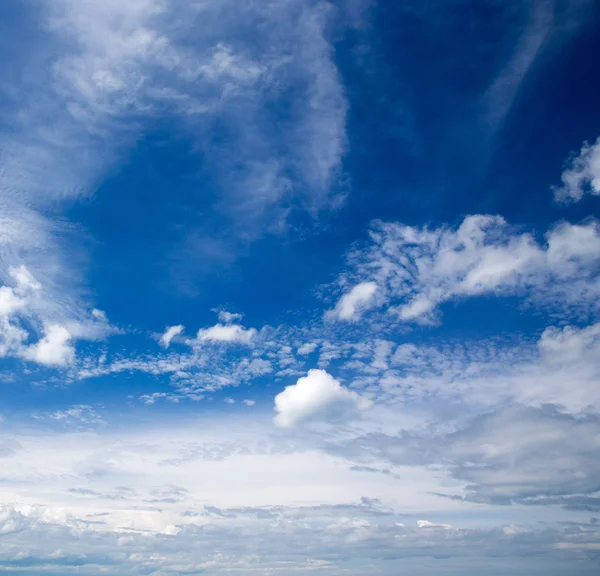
(104, 73)
(501, 95)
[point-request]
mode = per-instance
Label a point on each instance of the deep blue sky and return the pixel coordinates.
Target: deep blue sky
(299, 285)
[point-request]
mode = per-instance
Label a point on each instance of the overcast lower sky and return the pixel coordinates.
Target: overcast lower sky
(300, 287)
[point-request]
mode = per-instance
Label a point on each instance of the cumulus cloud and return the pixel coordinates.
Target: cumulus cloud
(170, 333)
(581, 176)
(351, 305)
(317, 396)
(54, 349)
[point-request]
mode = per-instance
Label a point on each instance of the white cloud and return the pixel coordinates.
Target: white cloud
(100, 76)
(129, 57)
(226, 333)
(170, 333)
(572, 248)
(229, 317)
(307, 348)
(582, 175)
(317, 396)
(562, 368)
(77, 501)
(569, 344)
(351, 305)
(255, 367)
(428, 524)
(54, 349)
(25, 306)
(417, 269)
(249, 402)
(75, 416)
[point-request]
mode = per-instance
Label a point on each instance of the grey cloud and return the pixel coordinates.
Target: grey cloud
(334, 545)
(517, 454)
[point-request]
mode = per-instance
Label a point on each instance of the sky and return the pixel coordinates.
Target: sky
(299, 287)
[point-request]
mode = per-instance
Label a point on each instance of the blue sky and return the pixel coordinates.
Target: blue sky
(299, 286)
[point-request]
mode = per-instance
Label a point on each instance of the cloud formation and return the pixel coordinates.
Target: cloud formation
(581, 175)
(317, 396)
(170, 333)
(351, 305)
(418, 269)
(233, 333)
(26, 311)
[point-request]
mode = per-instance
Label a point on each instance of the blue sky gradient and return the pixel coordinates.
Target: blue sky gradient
(299, 286)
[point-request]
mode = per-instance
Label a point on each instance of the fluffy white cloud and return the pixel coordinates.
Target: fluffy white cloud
(569, 344)
(54, 349)
(572, 248)
(317, 396)
(351, 305)
(581, 176)
(169, 334)
(226, 333)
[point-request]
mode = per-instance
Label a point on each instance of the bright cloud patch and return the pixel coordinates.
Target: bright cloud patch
(53, 349)
(170, 333)
(354, 302)
(581, 176)
(226, 333)
(25, 305)
(417, 269)
(317, 396)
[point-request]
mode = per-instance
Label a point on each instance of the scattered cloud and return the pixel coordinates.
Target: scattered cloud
(170, 333)
(307, 348)
(351, 305)
(75, 416)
